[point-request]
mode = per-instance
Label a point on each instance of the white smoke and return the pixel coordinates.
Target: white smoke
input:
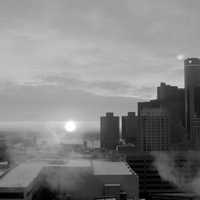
(49, 143)
(182, 169)
(36, 140)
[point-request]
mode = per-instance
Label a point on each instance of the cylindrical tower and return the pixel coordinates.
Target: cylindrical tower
(192, 91)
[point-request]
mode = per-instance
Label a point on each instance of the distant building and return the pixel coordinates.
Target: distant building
(109, 131)
(172, 99)
(130, 130)
(192, 91)
(165, 91)
(154, 129)
(148, 104)
(195, 132)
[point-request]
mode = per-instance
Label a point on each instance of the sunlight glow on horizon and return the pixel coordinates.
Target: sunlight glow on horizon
(70, 126)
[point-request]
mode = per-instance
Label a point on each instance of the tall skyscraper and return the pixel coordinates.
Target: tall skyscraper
(109, 131)
(195, 133)
(172, 99)
(165, 92)
(153, 104)
(155, 129)
(192, 92)
(130, 130)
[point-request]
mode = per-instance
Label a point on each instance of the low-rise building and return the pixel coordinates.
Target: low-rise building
(77, 179)
(20, 182)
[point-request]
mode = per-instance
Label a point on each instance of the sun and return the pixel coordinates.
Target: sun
(180, 57)
(70, 126)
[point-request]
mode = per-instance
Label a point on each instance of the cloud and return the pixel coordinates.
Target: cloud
(95, 87)
(104, 49)
(96, 38)
(47, 102)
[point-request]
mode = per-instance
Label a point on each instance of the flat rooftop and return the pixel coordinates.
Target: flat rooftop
(101, 167)
(79, 163)
(21, 176)
(24, 174)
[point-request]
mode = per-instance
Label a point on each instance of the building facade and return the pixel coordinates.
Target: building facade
(170, 103)
(130, 130)
(165, 91)
(195, 133)
(192, 91)
(109, 131)
(172, 99)
(155, 129)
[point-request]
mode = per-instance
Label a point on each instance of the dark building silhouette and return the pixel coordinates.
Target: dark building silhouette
(165, 91)
(167, 113)
(195, 133)
(130, 130)
(172, 99)
(192, 92)
(109, 131)
(143, 131)
(155, 129)
(148, 104)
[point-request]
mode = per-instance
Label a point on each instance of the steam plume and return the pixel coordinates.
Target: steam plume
(182, 169)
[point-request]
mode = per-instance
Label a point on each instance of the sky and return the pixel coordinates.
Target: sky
(77, 59)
